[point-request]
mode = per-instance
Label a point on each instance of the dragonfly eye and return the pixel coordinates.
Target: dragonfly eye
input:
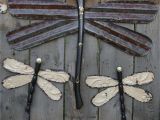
(39, 60)
(3, 8)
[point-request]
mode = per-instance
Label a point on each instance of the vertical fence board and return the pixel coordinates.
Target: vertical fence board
(89, 67)
(13, 101)
(70, 57)
(151, 110)
(110, 58)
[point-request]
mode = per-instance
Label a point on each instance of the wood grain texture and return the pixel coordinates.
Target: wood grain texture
(70, 57)
(151, 110)
(99, 59)
(13, 101)
(89, 67)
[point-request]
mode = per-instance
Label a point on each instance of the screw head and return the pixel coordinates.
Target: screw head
(80, 44)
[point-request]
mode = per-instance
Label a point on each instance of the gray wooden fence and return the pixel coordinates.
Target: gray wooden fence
(99, 59)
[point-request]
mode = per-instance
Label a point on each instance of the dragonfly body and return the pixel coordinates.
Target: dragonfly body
(121, 93)
(31, 87)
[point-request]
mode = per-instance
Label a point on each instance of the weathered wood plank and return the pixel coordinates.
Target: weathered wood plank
(90, 66)
(110, 58)
(13, 102)
(151, 110)
(70, 58)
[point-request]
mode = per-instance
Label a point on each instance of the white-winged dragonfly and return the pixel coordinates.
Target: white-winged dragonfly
(123, 85)
(28, 75)
(112, 87)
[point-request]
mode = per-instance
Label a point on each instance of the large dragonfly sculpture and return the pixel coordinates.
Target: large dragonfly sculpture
(124, 85)
(61, 19)
(27, 74)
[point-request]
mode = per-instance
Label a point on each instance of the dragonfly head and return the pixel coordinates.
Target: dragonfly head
(119, 69)
(38, 60)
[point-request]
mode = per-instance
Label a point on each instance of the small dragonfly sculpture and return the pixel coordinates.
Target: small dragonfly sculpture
(61, 19)
(124, 85)
(27, 74)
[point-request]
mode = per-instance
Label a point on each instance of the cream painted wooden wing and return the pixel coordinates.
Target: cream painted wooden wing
(138, 94)
(100, 81)
(3, 8)
(51, 91)
(139, 78)
(17, 67)
(104, 96)
(58, 76)
(16, 81)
